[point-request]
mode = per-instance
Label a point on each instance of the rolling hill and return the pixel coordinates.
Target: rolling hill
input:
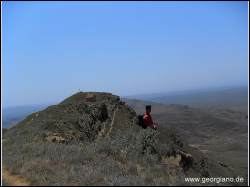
(225, 97)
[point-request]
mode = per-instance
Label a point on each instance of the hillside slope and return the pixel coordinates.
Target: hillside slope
(219, 133)
(99, 143)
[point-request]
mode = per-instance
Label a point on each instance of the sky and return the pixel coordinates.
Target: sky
(50, 49)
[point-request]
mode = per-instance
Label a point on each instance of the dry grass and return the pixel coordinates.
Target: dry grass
(127, 159)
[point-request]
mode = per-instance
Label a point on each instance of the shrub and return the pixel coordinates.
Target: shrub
(129, 158)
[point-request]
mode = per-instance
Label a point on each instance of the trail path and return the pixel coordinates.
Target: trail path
(100, 133)
(13, 180)
(111, 126)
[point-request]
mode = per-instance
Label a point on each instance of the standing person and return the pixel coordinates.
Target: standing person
(147, 119)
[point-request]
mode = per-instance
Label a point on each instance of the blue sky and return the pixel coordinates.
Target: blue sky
(50, 49)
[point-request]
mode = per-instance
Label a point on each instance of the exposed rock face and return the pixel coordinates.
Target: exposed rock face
(186, 161)
(91, 123)
(100, 112)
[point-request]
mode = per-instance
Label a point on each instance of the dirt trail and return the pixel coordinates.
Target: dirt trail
(104, 128)
(101, 132)
(13, 180)
(111, 126)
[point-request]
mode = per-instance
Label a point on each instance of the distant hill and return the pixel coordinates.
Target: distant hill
(99, 143)
(13, 115)
(236, 97)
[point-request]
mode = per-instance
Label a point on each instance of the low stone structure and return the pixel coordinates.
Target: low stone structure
(91, 98)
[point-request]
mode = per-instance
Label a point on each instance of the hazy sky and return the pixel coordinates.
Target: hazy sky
(50, 49)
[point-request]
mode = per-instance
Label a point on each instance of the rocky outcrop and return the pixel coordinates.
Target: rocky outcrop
(186, 161)
(55, 137)
(100, 112)
(90, 123)
(180, 159)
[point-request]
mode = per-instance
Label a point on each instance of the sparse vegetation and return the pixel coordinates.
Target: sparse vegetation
(130, 158)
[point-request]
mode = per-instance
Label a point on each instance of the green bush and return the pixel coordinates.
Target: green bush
(52, 125)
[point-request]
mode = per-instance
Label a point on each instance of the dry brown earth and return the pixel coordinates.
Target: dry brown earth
(13, 180)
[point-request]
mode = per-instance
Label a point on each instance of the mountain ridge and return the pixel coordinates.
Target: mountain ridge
(76, 122)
